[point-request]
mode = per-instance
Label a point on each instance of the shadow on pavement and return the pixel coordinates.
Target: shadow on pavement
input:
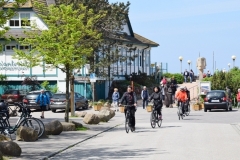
(169, 126)
(223, 111)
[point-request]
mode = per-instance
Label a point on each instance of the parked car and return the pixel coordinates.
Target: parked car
(216, 99)
(13, 95)
(58, 101)
(30, 99)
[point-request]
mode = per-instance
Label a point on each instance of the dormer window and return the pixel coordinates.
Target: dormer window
(20, 20)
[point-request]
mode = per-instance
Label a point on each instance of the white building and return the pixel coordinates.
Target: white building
(16, 73)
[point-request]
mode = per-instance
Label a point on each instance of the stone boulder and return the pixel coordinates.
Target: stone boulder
(10, 148)
(91, 118)
(77, 124)
(68, 126)
(105, 114)
(53, 128)
(26, 134)
(4, 138)
(81, 114)
(13, 113)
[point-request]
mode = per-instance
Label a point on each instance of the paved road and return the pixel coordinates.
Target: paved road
(201, 135)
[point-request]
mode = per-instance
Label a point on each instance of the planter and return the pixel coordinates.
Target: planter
(97, 107)
(121, 109)
(149, 108)
(196, 107)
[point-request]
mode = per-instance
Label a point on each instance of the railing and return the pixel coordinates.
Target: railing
(193, 88)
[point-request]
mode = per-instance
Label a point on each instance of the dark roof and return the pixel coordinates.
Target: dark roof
(145, 40)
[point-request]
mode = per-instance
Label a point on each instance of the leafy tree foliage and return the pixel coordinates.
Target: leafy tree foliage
(46, 86)
(66, 43)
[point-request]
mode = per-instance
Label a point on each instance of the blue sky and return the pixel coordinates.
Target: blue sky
(189, 27)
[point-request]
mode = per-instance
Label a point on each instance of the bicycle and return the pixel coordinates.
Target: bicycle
(154, 118)
(128, 119)
(7, 129)
(179, 112)
(187, 109)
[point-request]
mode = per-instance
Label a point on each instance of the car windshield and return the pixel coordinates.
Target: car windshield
(11, 92)
(215, 94)
(33, 93)
(60, 96)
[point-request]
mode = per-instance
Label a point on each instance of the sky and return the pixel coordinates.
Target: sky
(188, 28)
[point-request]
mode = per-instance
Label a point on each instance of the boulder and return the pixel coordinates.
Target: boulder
(68, 126)
(13, 113)
(10, 149)
(112, 112)
(4, 138)
(26, 134)
(105, 114)
(77, 124)
(91, 118)
(80, 114)
(54, 128)
(1, 156)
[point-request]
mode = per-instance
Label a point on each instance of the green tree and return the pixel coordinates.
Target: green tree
(3, 82)
(46, 86)
(66, 44)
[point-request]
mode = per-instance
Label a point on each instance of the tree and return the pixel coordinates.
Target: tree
(31, 82)
(6, 14)
(4, 82)
(46, 86)
(66, 44)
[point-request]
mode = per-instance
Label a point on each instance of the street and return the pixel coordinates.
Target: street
(201, 135)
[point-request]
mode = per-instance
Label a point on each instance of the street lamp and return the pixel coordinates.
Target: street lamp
(181, 58)
(229, 65)
(189, 62)
(233, 58)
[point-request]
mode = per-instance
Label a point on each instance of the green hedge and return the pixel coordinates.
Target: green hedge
(178, 77)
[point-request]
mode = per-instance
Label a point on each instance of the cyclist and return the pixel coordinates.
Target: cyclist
(157, 100)
(130, 98)
(181, 96)
(188, 96)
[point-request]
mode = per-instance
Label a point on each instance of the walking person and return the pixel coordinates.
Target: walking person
(208, 73)
(185, 74)
(238, 98)
(174, 88)
(145, 96)
(164, 81)
(191, 75)
(43, 100)
(115, 98)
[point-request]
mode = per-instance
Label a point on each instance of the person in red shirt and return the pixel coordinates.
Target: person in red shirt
(181, 96)
(238, 97)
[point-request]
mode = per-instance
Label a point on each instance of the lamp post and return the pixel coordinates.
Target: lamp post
(181, 58)
(233, 58)
(189, 62)
(229, 65)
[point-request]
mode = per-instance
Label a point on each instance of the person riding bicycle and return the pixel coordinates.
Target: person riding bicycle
(157, 100)
(188, 96)
(181, 96)
(130, 98)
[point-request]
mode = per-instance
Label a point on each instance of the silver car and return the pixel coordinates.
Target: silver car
(58, 101)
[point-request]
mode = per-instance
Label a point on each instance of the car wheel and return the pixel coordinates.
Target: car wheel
(54, 110)
(230, 109)
(205, 110)
(227, 108)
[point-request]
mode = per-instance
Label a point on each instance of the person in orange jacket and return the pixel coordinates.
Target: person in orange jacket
(238, 97)
(181, 96)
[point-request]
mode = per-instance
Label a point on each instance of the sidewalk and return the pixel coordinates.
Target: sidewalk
(44, 148)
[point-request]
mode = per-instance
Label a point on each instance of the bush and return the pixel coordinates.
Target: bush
(178, 77)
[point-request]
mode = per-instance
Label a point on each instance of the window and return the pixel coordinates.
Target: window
(10, 47)
(24, 47)
(20, 20)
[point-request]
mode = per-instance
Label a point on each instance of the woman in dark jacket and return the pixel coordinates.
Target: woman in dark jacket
(157, 100)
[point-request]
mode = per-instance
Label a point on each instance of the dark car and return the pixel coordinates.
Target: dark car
(30, 99)
(58, 101)
(13, 95)
(216, 99)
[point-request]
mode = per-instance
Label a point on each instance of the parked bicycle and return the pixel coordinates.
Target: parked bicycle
(128, 119)
(154, 118)
(24, 120)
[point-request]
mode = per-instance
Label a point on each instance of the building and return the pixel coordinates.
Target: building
(16, 73)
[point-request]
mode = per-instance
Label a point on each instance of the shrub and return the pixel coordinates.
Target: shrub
(178, 77)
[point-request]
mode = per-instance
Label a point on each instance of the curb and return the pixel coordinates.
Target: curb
(70, 146)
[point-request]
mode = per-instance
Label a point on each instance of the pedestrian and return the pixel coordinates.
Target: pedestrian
(191, 75)
(43, 100)
(164, 81)
(185, 74)
(229, 97)
(115, 98)
(173, 81)
(238, 98)
(168, 96)
(173, 87)
(208, 73)
(145, 96)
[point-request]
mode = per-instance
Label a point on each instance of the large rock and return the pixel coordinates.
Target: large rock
(68, 126)
(26, 134)
(81, 114)
(105, 114)
(54, 128)
(77, 124)
(10, 149)
(4, 138)
(91, 118)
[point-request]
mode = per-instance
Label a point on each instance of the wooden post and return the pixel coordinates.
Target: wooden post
(72, 96)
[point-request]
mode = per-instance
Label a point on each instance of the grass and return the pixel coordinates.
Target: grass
(82, 128)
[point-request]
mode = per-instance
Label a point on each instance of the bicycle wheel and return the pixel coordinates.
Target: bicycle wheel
(153, 119)
(32, 123)
(42, 126)
(126, 124)
(188, 110)
(159, 121)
